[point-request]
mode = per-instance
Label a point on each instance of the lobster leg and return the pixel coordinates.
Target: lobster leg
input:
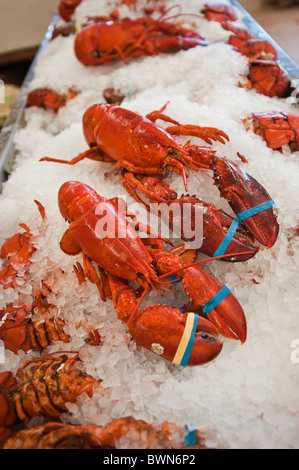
(161, 329)
(93, 153)
(208, 134)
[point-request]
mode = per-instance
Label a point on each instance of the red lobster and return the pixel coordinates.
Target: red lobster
(49, 99)
(105, 42)
(67, 8)
(122, 257)
(265, 74)
(247, 44)
(19, 329)
(41, 387)
(19, 332)
(276, 128)
(138, 433)
(219, 12)
(139, 146)
(16, 253)
(268, 78)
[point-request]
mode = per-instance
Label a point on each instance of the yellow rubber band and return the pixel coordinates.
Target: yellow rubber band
(185, 339)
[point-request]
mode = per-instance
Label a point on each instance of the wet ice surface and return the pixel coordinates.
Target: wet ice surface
(246, 397)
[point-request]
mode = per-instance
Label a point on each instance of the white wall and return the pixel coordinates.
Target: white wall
(23, 23)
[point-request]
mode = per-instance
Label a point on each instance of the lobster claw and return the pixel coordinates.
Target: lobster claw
(216, 302)
(215, 224)
(164, 330)
(243, 192)
(184, 215)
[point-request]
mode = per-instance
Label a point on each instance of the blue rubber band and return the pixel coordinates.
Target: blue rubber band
(185, 358)
(236, 222)
(255, 210)
(190, 437)
(228, 238)
(209, 306)
(173, 279)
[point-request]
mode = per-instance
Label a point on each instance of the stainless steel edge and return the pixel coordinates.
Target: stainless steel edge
(256, 30)
(15, 118)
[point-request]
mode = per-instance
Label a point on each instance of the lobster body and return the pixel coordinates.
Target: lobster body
(49, 99)
(106, 123)
(28, 325)
(139, 146)
(268, 78)
(219, 13)
(105, 42)
(41, 387)
(16, 253)
(83, 207)
(67, 8)
(19, 332)
(121, 257)
(277, 129)
(265, 76)
(67, 436)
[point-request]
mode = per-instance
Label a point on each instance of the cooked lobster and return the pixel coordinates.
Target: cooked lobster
(265, 76)
(41, 387)
(104, 236)
(219, 12)
(104, 42)
(121, 432)
(276, 128)
(49, 99)
(66, 8)
(28, 325)
(136, 144)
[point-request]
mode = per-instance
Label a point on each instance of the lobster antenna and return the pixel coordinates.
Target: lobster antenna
(179, 14)
(163, 292)
(164, 13)
(228, 255)
(137, 306)
(142, 297)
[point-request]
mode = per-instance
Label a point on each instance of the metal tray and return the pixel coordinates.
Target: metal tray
(256, 30)
(14, 120)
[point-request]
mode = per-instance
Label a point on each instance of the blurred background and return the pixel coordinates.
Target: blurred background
(23, 24)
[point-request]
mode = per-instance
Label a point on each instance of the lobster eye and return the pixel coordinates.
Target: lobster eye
(95, 53)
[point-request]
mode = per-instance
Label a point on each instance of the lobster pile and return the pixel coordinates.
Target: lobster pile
(175, 312)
